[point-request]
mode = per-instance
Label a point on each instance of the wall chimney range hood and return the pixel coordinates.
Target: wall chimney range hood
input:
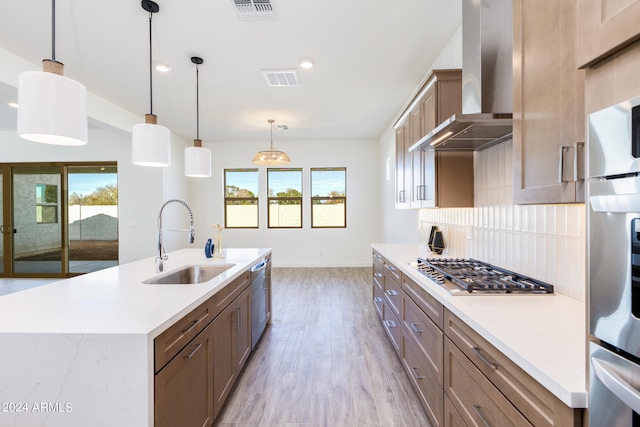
(487, 81)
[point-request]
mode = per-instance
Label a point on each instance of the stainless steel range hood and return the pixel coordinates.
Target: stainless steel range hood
(487, 81)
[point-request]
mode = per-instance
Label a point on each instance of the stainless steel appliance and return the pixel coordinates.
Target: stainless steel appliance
(467, 276)
(613, 219)
(259, 288)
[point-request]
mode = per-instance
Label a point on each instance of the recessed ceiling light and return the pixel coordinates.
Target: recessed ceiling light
(163, 68)
(13, 104)
(306, 63)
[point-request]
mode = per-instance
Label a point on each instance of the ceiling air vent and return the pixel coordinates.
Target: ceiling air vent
(281, 78)
(255, 10)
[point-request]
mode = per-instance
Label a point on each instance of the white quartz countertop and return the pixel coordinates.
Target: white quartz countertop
(115, 301)
(543, 334)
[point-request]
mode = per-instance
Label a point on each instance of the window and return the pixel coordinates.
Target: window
(241, 198)
(285, 198)
(328, 197)
(46, 204)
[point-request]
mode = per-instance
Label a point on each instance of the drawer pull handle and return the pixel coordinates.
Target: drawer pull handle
(377, 256)
(416, 376)
(414, 326)
(377, 274)
(377, 299)
(476, 409)
(478, 351)
(191, 326)
(392, 292)
(390, 323)
(195, 350)
(388, 267)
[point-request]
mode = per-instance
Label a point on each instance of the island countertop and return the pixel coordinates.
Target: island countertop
(80, 351)
(543, 334)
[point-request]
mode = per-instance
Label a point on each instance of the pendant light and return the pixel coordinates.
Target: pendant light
(197, 159)
(151, 143)
(271, 157)
(52, 108)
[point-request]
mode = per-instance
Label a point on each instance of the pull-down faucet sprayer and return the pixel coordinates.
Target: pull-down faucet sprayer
(162, 256)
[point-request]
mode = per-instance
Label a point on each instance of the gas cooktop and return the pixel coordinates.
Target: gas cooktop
(467, 276)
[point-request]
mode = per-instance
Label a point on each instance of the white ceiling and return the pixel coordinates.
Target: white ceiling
(370, 56)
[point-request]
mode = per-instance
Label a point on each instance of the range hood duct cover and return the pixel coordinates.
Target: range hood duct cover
(487, 81)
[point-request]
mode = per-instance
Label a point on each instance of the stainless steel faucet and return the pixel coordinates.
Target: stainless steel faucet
(162, 256)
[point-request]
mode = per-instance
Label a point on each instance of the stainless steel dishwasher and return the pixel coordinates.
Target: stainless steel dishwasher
(260, 278)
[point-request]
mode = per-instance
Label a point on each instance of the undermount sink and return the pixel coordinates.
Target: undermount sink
(189, 275)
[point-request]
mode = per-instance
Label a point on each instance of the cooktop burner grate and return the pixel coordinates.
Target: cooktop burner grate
(477, 277)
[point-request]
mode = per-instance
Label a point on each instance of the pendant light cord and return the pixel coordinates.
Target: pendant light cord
(197, 102)
(150, 68)
(53, 30)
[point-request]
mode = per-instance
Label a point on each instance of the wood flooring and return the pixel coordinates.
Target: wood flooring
(325, 359)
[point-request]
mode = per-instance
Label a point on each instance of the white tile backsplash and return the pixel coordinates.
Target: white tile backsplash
(546, 242)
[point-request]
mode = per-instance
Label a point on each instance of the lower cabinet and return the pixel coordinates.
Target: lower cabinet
(200, 357)
(184, 387)
(459, 377)
(232, 346)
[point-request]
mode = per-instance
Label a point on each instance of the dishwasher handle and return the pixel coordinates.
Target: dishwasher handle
(259, 267)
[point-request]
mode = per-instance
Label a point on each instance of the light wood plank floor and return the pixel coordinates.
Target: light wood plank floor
(325, 360)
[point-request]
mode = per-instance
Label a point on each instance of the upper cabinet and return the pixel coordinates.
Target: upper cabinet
(427, 178)
(548, 104)
(605, 26)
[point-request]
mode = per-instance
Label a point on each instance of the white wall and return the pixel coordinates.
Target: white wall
(305, 247)
(141, 190)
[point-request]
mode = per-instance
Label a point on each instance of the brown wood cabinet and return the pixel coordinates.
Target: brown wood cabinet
(232, 346)
(468, 354)
(548, 104)
(604, 27)
(184, 387)
(427, 178)
(199, 358)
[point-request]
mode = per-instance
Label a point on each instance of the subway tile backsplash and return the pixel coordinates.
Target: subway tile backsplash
(546, 242)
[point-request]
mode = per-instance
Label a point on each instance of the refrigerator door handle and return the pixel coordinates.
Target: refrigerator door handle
(615, 381)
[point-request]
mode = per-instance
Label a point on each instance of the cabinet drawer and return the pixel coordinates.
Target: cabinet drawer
(392, 328)
(378, 300)
(377, 258)
(451, 416)
(427, 387)
(230, 292)
(478, 402)
(425, 335)
(170, 342)
(378, 276)
(428, 304)
(393, 294)
(392, 271)
(537, 403)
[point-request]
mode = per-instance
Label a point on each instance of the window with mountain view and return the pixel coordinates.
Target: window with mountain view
(241, 198)
(328, 197)
(284, 197)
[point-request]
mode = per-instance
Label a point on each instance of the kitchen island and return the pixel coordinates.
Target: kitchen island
(80, 351)
(543, 335)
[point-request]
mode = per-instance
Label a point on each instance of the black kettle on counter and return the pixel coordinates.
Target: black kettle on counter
(436, 240)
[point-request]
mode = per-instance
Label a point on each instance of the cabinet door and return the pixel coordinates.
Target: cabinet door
(224, 375)
(604, 26)
(402, 198)
(242, 330)
(184, 387)
(548, 116)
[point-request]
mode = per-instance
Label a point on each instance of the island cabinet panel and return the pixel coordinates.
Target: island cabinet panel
(184, 387)
(548, 104)
(467, 354)
(232, 346)
(427, 387)
(604, 27)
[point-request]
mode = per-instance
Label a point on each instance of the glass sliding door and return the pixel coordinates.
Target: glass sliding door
(37, 218)
(93, 217)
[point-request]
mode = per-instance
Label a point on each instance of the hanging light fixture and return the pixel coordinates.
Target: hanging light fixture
(271, 157)
(151, 143)
(52, 108)
(197, 159)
